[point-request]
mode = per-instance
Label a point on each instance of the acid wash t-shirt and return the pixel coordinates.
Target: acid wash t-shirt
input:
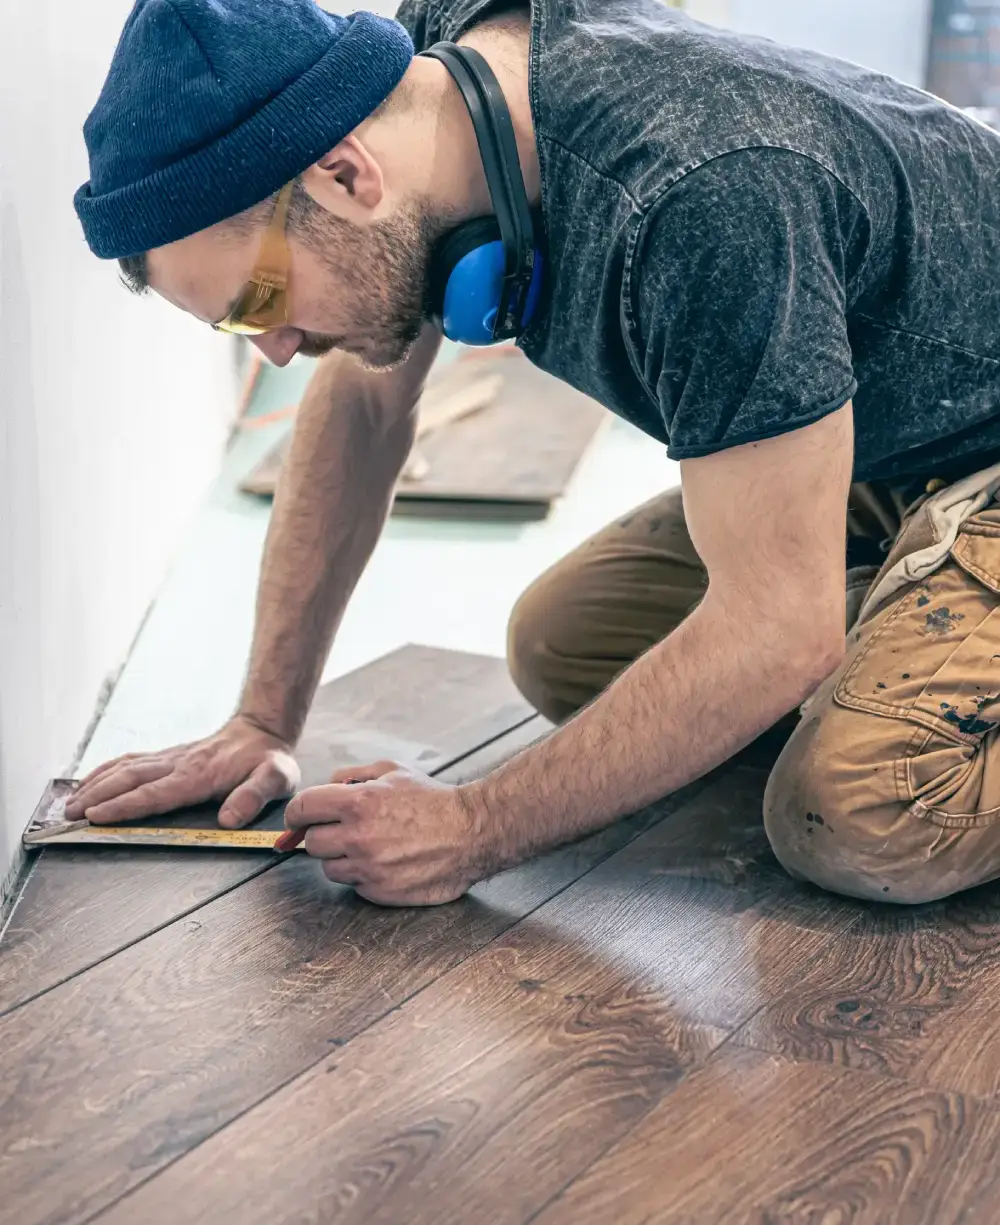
(740, 237)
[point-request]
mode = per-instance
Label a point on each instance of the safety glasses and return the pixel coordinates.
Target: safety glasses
(263, 303)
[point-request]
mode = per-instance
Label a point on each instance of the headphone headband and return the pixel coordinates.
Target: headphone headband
(494, 130)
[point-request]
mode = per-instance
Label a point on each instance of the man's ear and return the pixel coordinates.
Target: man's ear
(346, 181)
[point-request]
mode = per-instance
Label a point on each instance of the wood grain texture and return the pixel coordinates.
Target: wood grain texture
(422, 706)
(907, 992)
(511, 459)
(486, 1093)
(122, 1069)
(750, 1139)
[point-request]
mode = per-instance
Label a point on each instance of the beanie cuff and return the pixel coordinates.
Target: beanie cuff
(269, 149)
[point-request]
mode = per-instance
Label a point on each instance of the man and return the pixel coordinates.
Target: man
(783, 266)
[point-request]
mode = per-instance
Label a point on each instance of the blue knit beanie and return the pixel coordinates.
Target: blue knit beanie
(211, 105)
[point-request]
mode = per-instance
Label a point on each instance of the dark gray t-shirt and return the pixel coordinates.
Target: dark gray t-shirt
(741, 237)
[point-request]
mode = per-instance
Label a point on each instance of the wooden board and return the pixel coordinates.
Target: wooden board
(119, 1071)
(509, 461)
(573, 1043)
(489, 1091)
(909, 992)
(755, 1140)
(423, 706)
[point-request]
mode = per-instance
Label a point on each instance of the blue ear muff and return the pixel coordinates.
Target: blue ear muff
(486, 275)
(467, 276)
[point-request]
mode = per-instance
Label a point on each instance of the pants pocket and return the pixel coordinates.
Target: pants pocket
(977, 549)
(932, 658)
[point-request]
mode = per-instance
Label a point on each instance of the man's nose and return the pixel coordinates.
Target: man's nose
(279, 347)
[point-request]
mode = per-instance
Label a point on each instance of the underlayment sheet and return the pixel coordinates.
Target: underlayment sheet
(510, 461)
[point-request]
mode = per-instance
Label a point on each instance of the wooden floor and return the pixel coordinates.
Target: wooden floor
(656, 1025)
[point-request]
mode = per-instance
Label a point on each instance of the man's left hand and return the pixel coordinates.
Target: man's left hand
(397, 836)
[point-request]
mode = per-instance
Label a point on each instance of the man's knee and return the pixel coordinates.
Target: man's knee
(531, 659)
(838, 813)
(547, 654)
(604, 605)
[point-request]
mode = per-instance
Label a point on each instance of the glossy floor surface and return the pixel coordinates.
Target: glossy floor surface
(656, 1025)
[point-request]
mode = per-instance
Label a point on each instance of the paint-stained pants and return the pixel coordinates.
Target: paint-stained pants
(889, 787)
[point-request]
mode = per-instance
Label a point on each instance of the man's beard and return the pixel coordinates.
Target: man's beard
(384, 269)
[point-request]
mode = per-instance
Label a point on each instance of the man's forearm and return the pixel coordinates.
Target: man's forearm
(332, 501)
(683, 708)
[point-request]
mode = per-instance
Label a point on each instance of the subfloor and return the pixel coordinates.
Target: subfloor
(656, 1025)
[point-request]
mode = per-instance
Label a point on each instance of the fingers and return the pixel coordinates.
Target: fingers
(322, 805)
(363, 774)
(117, 783)
(76, 805)
(147, 800)
(327, 842)
(341, 872)
(270, 781)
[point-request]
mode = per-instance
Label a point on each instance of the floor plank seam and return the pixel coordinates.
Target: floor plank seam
(879, 1073)
(9, 1011)
(730, 1037)
(457, 761)
(623, 1138)
(16, 884)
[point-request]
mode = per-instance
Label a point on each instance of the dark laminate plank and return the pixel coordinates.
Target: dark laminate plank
(908, 992)
(495, 752)
(525, 448)
(216, 1011)
(490, 1090)
(750, 1139)
(119, 1070)
(422, 706)
(509, 461)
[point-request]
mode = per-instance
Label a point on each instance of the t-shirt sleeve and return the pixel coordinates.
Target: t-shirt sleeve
(739, 299)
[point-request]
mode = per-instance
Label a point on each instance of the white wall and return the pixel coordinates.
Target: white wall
(113, 412)
(888, 35)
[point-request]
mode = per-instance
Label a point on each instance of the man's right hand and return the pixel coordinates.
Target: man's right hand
(242, 766)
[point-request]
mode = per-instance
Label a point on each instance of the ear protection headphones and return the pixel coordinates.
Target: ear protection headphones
(486, 275)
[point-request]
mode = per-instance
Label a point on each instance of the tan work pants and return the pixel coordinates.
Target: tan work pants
(889, 787)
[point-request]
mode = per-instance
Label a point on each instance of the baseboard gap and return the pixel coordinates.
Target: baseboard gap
(12, 886)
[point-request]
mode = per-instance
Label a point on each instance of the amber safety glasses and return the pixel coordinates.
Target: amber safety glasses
(263, 304)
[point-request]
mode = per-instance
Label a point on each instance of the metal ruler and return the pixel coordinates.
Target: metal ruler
(49, 827)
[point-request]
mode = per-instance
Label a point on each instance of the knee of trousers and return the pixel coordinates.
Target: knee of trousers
(874, 808)
(536, 653)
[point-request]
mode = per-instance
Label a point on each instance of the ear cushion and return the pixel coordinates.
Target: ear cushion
(453, 247)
